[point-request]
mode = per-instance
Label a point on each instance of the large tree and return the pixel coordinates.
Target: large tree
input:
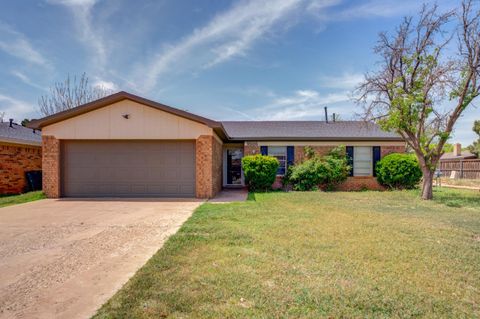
(427, 77)
(69, 94)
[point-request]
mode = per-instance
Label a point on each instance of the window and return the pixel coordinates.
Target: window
(280, 153)
(362, 161)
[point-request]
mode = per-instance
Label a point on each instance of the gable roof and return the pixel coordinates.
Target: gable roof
(117, 97)
(18, 134)
(306, 130)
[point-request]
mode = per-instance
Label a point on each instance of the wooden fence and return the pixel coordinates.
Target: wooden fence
(465, 169)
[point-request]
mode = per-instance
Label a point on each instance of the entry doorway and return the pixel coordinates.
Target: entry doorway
(233, 166)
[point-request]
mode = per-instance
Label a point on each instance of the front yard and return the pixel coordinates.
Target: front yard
(311, 255)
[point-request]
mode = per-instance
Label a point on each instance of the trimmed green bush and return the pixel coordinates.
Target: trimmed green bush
(399, 171)
(260, 171)
(326, 171)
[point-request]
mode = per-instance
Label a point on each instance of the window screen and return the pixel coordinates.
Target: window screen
(362, 161)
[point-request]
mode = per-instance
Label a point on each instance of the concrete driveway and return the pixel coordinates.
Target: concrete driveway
(65, 258)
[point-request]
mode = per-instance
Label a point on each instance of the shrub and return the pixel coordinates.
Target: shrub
(260, 171)
(326, 171)
(399, 171)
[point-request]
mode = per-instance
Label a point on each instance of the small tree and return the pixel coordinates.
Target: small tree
(25, 122)
(418, 77)
(475, 147)
(69, 94)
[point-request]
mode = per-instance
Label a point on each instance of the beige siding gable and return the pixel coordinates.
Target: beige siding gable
(144, 122)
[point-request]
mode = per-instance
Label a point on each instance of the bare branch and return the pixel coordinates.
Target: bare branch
(69, 94)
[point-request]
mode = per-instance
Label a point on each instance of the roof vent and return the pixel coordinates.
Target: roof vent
(326, 115)
(11, 122)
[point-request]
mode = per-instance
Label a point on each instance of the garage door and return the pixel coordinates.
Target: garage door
(128, 168)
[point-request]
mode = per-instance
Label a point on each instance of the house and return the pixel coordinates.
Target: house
(20, 152)
(457, 154)
(127, 146)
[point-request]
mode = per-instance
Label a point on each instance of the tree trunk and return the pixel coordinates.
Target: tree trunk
(427, 186)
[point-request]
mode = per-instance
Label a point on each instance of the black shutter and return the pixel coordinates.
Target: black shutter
(264, 150)
(349, 152)
(376, 157)
(290, 155)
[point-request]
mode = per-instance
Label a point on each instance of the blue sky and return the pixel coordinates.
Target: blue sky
(236, 60)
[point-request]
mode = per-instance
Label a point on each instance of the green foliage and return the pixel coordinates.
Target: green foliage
(309, 152)
(20, 199)
(25, 122)
(326, 171)
(475, 146)
(399, 171)
(260, 171)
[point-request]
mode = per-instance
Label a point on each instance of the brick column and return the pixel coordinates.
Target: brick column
(51, 166)
(203, 166)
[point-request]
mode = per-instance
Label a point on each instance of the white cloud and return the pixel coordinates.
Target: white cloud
(229, 34)
(14, 108)
(17, 45)
(107, 85)
(305, 104)
(25, 79)
(345, 81)
(372, 9)
(88, 34)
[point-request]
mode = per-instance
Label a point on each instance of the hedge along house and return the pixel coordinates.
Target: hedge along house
(127, 146)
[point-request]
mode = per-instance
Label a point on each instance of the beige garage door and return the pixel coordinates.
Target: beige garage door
(128, 168)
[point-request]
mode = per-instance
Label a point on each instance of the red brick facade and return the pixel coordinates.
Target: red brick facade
(352, 183)
(51, 166)
(319, 151)
(385, 150)
(251, 148)
(208, 166)
(15, 160)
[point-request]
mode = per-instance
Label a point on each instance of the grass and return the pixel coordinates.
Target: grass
(462, 182)
(22, 198)
(316, 255)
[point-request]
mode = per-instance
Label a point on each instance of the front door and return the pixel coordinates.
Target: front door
(234, 166)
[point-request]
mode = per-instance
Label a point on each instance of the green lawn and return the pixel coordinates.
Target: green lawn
(19, 199)
(314, 255)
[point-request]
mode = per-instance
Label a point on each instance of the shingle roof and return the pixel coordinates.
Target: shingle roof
(19, 134)
(463, 155)
(306, 130)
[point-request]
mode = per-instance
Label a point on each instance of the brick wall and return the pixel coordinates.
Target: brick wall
(208, 166)
(352, 183)
(251, 148)
(385, 150)
(358, 183)
(319, 150)
(15, 160)
(51, 166)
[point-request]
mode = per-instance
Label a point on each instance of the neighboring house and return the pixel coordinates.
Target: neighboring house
(20, 152)
(459, 164)
(127, 146)
(457, 154)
